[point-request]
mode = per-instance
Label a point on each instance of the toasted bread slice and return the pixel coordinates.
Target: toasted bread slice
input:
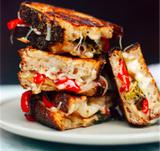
(64, 30)
(84, 72)
(70, 111)
(142, 86)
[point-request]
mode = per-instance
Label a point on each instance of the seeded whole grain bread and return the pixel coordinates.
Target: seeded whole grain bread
(137, 70)
(57, 28)
(85, 72)
(67, 113)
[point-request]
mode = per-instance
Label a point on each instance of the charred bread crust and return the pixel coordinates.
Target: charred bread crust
(39, 21)
(62, 98)
(55, 121)
(95, 91)
(100, 69)
(118, 32)
(42, 115)
(133, 46)
(75, 18)
(59, 121)
(32, 15)
(116, 48)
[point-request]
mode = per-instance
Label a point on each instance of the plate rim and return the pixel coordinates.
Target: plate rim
(72, 138)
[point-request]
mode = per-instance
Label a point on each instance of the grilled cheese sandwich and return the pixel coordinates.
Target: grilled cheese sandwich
(141, 101)
(63, 31)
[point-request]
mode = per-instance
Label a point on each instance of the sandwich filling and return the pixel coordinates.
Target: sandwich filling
(136, 81)
(71, 110)
(130, 84)
(47, 72)
(39, 82)
(84, 47)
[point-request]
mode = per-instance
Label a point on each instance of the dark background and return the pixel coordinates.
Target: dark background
(139, 19)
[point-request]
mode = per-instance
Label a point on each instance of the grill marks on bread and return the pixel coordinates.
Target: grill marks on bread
(66, 25)
(50, 13)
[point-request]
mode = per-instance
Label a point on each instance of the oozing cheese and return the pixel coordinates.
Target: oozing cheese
(29, 32)
(86, 110)
(84, 106)
(154, 120)
(48, 36)
(133, 67)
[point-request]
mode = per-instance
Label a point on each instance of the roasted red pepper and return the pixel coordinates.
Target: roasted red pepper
(106, 46)
(29, 118)
(145, 106)
(107, 111)
(69, 84)
(38, 78)
(25, 101)
(123, 76)
(46, 102)
(13, 23)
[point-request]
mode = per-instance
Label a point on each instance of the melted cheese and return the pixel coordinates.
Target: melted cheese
(120, 42)
(18, 15)
(153, 121)
(88, 54)
(86, 110)
(133, 67)
(48, 36)
(25, 39)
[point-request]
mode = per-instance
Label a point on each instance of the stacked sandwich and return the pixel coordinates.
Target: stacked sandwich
(63, 65)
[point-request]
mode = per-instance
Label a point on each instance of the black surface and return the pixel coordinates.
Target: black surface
(140, 21)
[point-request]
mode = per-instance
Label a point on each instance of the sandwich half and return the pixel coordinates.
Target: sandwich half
(64, 111)
(140, 97)
(62, 30)
(43, 71)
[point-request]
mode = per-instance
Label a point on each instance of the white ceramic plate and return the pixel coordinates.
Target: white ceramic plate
(108, 133)
(113, 132)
